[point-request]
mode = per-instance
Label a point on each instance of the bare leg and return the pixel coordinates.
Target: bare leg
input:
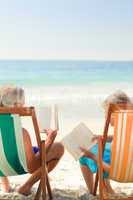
(53, 157)
(25, 188)
(5, 185)
(88, 177)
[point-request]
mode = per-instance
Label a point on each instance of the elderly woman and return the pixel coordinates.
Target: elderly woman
(89, 159)
(14, 96)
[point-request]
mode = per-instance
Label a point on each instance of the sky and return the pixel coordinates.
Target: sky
(66, 29)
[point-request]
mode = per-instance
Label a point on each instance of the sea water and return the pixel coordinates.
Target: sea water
(78, 87)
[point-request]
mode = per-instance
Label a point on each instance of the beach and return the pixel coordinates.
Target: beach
(66, 180)
(79, 89)
(67, 183)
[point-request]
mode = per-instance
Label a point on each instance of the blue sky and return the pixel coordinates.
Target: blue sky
(66, 29)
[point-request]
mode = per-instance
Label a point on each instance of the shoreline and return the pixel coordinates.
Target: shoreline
(66, 179)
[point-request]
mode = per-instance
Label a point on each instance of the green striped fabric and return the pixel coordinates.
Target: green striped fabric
(12, 152)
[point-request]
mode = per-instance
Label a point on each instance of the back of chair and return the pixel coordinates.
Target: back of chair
(122, 147)
(12, 151)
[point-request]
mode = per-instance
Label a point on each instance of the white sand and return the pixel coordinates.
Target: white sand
(67, 183)
(66, 180)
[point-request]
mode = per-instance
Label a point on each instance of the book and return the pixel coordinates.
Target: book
(47, 117)
(80, 136)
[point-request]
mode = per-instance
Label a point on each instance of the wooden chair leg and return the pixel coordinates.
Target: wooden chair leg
(44, 184)
(43, 170)
(49, 187)
(100, 169)
(38, 193)
(95, 185)
(43, 188)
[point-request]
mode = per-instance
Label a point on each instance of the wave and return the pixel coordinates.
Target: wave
(74, 94)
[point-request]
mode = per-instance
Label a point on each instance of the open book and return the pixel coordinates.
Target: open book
(47, 117)
(81, 136)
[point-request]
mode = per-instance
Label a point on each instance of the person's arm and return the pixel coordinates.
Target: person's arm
(86, 153)
(51, 135)
(30, 156)
(109, 138)
(33, 160)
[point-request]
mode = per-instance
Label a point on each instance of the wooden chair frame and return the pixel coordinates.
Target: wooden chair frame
(101, 145)
(44, 185)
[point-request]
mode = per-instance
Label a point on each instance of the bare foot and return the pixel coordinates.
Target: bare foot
(5, 188)
(109, 188)
(105, 190)
(24, 190)
(105, 194)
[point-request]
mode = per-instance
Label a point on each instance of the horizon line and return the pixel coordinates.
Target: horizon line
(64, 59)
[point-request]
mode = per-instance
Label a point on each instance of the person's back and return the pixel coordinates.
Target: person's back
(13, 96)
(89, 159)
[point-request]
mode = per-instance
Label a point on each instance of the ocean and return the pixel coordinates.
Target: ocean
(38, 73)
(79, 87)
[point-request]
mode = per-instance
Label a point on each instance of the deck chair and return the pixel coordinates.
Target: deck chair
(121, 166)
(12, 155)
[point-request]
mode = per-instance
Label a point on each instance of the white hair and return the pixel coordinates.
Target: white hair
(117, 97)
(11, 95)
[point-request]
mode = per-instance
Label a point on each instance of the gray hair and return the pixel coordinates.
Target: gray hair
(11, 95)
(117, 97)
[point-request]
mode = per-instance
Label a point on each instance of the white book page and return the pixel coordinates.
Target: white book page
(47, 117)
(54, 117)
(80, 136)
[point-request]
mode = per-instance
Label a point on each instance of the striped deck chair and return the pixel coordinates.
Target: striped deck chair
(12, 155)
(121, 166)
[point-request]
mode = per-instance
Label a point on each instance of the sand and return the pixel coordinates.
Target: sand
(66, 180)
(67, 184)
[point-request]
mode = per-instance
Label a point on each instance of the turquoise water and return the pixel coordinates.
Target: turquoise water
(30, 73)
(78, 87)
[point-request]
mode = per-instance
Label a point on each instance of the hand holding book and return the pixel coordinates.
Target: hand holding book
(80, 137)
(47, 117)
(49, 130)
(87, 153)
